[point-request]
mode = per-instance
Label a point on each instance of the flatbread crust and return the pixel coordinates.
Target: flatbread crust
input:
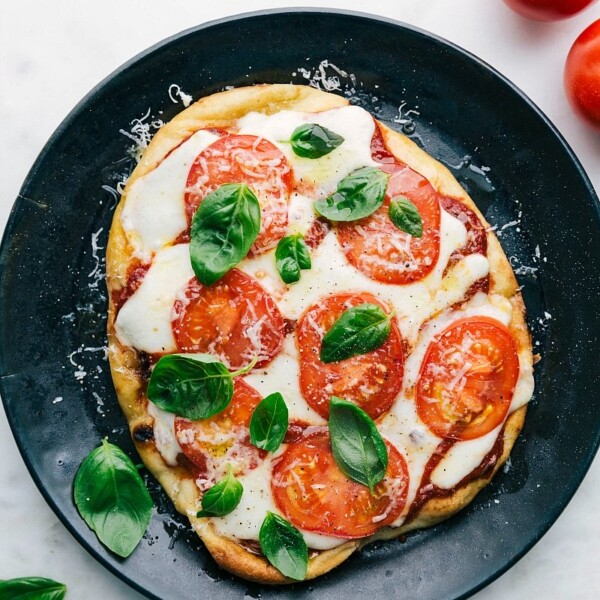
(221, 111)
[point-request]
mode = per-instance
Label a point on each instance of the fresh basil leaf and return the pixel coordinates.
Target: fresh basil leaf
(223, 229)
(291, 255)
(405, 216)
(31, 588)
(314, 141)
(269, 423)
(357, 447)
(357, 196)
(359, 330)
(223, 497)
(195, 386)
(112, 498)
(284, 546)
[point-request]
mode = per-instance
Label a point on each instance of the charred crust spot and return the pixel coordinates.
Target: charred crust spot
(143, 433)
(143, 367)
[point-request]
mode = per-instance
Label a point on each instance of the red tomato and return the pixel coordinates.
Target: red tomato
(476, 234)
(582, 75)
(372, 380)
(548, 10)
(234, 318)
(467, 378)
(379, 249)
(211, 444)
(312, 492)
(251, 160)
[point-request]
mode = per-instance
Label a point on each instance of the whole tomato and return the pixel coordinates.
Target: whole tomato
(548, 10)
(582, 74)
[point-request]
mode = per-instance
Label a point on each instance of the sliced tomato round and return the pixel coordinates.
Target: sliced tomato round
(372, 380)
(476, 235)
(467, 378)
(255, 162)
(235, 318)
(314, 494)
(214, 443)
(377, 247)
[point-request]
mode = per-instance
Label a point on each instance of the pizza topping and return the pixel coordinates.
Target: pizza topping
(154, 212)
(476, 235)
(357, 446)
(291, 256)
(357, 196)
(467, 378)
(284, 547)
(211, 444)
(372, 380)
(222, 498)
(359, 330)
(405, 216)
(269, 423)
(314, 494)
(253, 161)
(223, 229)
(195, 386)
(235, 318)
(314, 141)
(383, 252)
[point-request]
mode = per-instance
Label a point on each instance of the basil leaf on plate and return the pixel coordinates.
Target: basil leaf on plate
(284, 546)
(357, 196)
(357, 447)
(112, 498)
(291, 255)
(405, 216)
(194, 386)
(358, 330)
(223, 229)
(223, 497)
(314, 141)
(269, 423)
(31, 588)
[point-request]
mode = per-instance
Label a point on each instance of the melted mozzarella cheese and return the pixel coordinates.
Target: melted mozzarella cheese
(144, 321)
(282, 375)
(164, 434)
(354, 124)
(154, 211)
(463, 458)
(245, 521)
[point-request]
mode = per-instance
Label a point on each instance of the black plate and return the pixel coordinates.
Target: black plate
(53, 301)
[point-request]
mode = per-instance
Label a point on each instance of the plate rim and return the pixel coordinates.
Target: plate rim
(198, 29)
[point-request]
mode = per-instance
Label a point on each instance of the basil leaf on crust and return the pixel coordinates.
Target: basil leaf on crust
(32, 588)
(359, 330)
(284, 546)
(112, 498)
(194, 386)
(357, 196)
(223, 229)
(358, 448)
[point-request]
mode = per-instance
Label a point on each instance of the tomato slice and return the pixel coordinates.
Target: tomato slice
(314, 494)
(235, 318)
(476, 235)
(467, 378)
(379, 249)
(211, 444)
(372, 380)
(251, 160)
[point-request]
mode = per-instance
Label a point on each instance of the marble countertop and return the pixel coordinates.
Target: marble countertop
(53, 53)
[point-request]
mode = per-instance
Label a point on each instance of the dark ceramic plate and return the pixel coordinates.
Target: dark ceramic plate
(55, 381)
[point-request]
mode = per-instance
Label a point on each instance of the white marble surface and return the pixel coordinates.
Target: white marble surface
(52, 53)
